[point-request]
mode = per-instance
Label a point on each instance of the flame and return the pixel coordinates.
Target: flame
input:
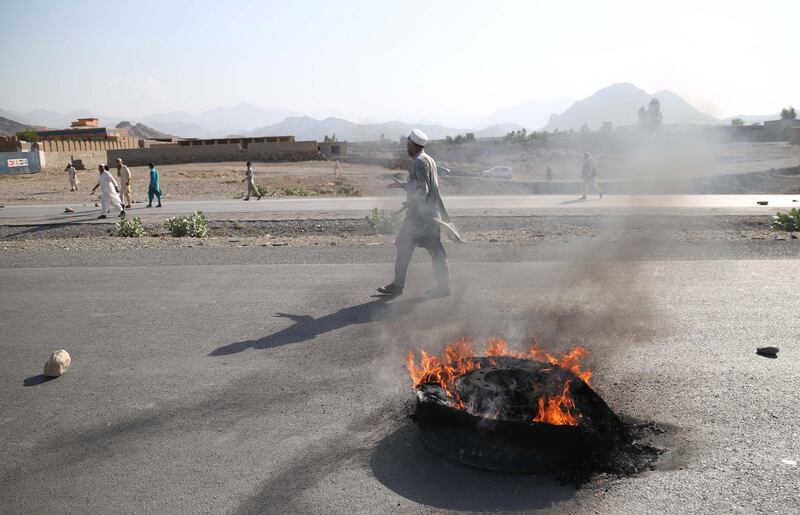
(456, 360)
(556, 410)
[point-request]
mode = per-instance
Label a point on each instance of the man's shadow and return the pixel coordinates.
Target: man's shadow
(307, 327)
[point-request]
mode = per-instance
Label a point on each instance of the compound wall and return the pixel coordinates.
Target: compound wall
(83, 160)
(178, 154)
(174, 154)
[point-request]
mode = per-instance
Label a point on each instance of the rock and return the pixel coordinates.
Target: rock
(769, 350)
(96, 204)
(57, 364)
(69, 210)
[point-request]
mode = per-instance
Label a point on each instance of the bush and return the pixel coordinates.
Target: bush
(130, 227)
(344, 189)
(263, 190)
(195, 226)
(297, 191)
(789, 221)
(384, 222)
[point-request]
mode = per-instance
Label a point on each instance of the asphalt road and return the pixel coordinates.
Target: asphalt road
(350, 207)
(270, 381)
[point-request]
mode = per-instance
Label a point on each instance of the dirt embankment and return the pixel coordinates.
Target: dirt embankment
(502, 229)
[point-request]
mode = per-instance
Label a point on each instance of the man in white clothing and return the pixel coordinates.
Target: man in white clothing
(425, 217)
(109, 192)
(73, 177)
(251, 183)
(124, 174)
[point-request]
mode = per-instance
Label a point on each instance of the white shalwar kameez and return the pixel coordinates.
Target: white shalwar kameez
(108, 193)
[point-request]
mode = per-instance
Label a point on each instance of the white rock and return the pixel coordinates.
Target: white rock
(69, 210)
(57, 364)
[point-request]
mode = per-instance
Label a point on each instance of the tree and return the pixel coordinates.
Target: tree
(737, 122)
(788, 113)
(651, 118)
(585, 128)
(470, 137)
(449, 139)
(28, 135)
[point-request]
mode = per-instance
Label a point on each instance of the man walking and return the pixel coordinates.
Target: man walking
(73, 177)
(425, 216)
(589, 176)
(109, 192)
(154, 188)
(124, 174)
(251, 182)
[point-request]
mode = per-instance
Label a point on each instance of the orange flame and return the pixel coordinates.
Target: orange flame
(556, 410)
(456, 361)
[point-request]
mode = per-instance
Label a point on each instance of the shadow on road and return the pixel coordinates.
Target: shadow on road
(403, 463)
(307, 327)
(575, 201)
(34, 380)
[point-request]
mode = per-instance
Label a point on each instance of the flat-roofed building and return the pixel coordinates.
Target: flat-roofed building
(86, 122)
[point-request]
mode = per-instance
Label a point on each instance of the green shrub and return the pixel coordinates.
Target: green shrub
(384, 222)
(263, 190)
(345, 189)
(789, 221)
(297, 191)
(194, 226)
(130, 227)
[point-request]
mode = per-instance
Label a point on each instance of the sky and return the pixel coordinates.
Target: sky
(441, 60)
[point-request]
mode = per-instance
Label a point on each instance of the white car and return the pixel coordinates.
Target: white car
(500, 172)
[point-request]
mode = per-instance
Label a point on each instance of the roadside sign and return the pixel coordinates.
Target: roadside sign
(13, 163)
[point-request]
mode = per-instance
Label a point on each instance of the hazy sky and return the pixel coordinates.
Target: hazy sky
(415, 61)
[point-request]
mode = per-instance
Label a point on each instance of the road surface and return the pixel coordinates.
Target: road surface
(269, 381)
(356, 207)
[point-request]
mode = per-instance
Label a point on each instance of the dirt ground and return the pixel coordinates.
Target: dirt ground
(722, 168)
(204, 181)
(499, 229)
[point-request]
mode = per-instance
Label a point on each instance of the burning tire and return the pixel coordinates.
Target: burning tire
(511, 413)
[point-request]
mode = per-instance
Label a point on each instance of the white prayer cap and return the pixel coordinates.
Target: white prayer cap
(418, 137)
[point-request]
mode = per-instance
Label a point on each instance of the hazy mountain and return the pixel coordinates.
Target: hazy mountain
(184, 130)
(51, 119)
(217, 122)
(307, 128)
(141, 130)
(498, 130)
(619, 104)
(530, 115)
(9, 127)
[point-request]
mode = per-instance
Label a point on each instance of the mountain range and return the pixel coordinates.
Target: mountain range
(617, 103)
(10, 127)
(620, 104)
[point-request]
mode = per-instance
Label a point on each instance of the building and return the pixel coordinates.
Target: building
(85, 122)
(780, 130)
(241, 141)
(333, 149)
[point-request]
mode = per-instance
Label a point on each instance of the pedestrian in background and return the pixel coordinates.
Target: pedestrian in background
(72, 173)
(109, 192)
(154, 189)
(251, 182)
(589, 176)
(124, 174)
